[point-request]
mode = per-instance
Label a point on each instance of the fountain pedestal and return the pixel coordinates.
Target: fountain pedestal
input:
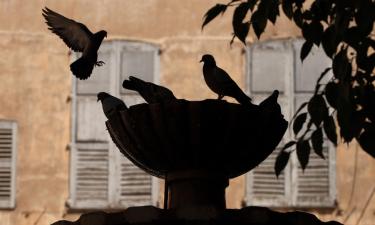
(189, 189)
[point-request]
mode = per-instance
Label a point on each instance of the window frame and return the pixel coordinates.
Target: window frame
(291, 170)
(117, 46)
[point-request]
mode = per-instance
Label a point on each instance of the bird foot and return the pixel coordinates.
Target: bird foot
(99, 63)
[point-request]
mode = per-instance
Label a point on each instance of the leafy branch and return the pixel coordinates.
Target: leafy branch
(343, 28)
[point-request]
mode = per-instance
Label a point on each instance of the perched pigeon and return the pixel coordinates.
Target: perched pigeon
(270, 104)
(220, 82)
(80, 39)
(110, 104)
(271, 100)
(151, 92)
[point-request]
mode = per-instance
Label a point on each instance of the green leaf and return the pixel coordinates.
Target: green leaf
(259, 22)
(241, 32)
(287, 8)
(306, 48)
(252, 4)
(317, 32)
(273, 11)
(281, 162)
(213, 13)
(297, 17)
(313, 32)
(317, 142)
(303, 105)
(367, 140)
(241, 29)
(329, 41)
(345, 111)
(303, 153)
(298, 122)
(331, 93)
(320, 9)
(240, 13)
(341, 67)
(365, 16)
(317, 109)
(353, 36)
(330, 129)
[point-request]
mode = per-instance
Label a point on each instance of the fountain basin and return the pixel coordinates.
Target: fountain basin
(220, 138)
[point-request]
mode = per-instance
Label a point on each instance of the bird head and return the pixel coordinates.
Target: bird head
(102, 95)
(102, 34)
(208, 59)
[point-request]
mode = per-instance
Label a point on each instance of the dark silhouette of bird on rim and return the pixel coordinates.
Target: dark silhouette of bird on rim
(151, 92)
(110, 104)
(220, 82)
(80, 39)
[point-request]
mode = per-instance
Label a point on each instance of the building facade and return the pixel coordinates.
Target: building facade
(56, 159)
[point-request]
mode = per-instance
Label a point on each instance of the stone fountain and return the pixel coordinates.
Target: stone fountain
(196, 147)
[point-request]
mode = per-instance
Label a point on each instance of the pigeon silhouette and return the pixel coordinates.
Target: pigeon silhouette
(151, 92)
(270, 105)
(220, 82)
(79, 38)
(111, 104)
(270, 100)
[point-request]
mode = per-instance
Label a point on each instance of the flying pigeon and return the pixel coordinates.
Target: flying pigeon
(151, 92)
(80, 39)
(110, 104)
(220, 82)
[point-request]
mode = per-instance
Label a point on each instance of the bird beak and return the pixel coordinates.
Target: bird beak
(201, 60)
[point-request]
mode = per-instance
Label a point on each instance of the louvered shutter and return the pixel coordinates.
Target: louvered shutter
(90, 175)
(90, 157)
(263, 188)
(315, 187)
(136, 187)
(296, 81)
(8, 133)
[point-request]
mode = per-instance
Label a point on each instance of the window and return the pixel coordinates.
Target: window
(8, 138)
(276, 65)
(100, 176)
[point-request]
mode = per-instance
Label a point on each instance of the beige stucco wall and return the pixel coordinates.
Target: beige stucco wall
(36, 82)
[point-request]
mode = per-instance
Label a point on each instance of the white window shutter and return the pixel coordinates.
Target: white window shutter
(8, 134)
(135, 185)
(101, 177)
(89, 177)
(262, 186)
(90, 161)
(315, 187)
(296, 82)
(264, 189)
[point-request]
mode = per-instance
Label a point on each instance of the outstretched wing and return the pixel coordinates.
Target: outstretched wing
(75, 35)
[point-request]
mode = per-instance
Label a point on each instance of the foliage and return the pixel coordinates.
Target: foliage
(343, 28)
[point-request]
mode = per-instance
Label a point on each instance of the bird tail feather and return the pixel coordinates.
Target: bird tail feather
(244, 99)
(82, 68)
(133, 83)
